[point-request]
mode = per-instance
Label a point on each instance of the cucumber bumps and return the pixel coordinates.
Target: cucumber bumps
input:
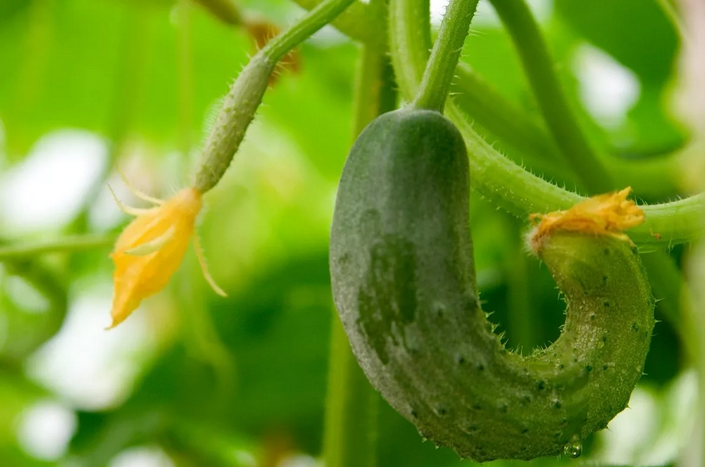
(404, 285)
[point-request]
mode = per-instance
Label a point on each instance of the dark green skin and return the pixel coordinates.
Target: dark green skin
(404, 285)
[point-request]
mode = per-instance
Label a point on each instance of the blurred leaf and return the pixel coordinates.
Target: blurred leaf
(642, 36)
(9, 8)
(27, 329)
(314, 106)
(108, 66)
(637, 33)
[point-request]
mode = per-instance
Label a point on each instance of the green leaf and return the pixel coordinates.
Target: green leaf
(637, 33)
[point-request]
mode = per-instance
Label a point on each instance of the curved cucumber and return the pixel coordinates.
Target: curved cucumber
(404, 285)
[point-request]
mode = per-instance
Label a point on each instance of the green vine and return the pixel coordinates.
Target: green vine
(497, 178)
(516, 16)
(655, 178)
(440, 69)
(241, 103)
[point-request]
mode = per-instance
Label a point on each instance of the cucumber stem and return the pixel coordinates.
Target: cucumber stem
(302, 29)
(246, 94)
(561, 121)
(440, 69)
(651, 178)
(503, 182)
(350, 437)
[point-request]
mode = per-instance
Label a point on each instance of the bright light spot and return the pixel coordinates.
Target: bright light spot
(438, 9)
(328, 36)
(607, 89)
(485, 16)
(679, 422)
(23, 294)
(628, 429)
(541, 9)
(655, 428)
(244, 458)
(92, 367)
(141, 457)
(45, 430)
(160, 179)
(104, 213)
(49, 187)
(2, 142)
(298, 460)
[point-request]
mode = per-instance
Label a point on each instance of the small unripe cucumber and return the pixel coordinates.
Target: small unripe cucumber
(404, 285)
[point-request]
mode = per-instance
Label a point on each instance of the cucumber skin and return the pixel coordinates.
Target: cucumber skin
(403, 281)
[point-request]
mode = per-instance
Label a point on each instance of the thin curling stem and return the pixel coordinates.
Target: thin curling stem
(246, 94)
(440, 70)
(667, 223)
(560, 118)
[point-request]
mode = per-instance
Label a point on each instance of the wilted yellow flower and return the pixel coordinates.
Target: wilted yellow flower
(606, 214)
(151, 249)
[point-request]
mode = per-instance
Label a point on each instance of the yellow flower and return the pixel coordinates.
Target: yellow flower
(151, 248)
(606, 214)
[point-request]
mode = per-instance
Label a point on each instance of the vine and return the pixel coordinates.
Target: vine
(497, 178)
(246, 94)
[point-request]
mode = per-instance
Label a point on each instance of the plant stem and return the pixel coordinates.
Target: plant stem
(498, 179)
(351, 408)
(358, 22)
(505, 120)
(351, 416)
(654, 178)
(694, 313)
(323, 14)
(445, 55)
(539, 67)
(246, 94)
(63, 245)
(576, 148)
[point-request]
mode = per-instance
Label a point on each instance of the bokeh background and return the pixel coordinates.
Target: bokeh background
(90, 87)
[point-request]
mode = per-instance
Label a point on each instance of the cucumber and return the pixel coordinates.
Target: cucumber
(403, 281)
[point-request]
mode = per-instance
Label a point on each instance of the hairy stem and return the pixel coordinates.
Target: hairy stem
(358, 22)
(500, 180)
(655, 178)
(246, 94)
(445, 55)
(351, 408)
(565, 128)
(539, 68)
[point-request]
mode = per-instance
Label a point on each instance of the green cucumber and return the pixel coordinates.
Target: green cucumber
(403, 280)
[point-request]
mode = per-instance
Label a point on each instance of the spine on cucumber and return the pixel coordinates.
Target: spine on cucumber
(403, 281)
